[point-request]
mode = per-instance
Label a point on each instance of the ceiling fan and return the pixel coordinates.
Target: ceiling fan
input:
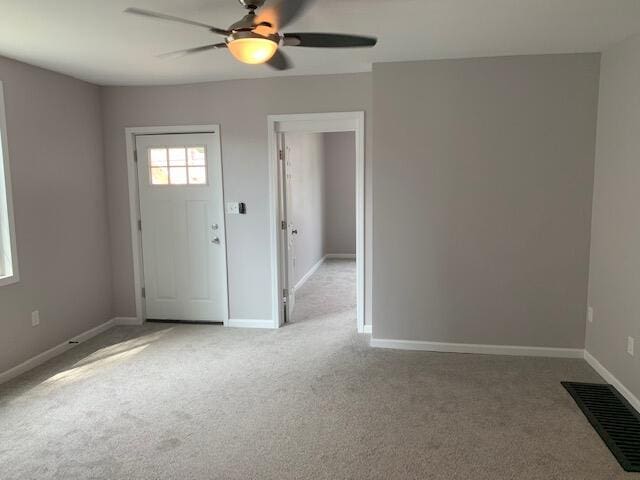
(257, 38)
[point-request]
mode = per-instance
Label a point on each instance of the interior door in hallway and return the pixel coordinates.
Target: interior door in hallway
(182, 223)
(289, 230)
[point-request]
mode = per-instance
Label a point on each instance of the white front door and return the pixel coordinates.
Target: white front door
(183, 234)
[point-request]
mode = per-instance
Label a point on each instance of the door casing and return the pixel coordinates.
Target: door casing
(317, 123)
(134, 206)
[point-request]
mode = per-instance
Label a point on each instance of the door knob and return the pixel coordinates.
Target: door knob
(215, 240)
(294, 232)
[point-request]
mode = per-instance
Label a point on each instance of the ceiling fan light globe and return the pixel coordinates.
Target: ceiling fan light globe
(252, 50)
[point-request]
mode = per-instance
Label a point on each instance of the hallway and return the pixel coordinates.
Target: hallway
(329, 296)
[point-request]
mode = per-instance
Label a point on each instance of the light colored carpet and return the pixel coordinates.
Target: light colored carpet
(309, 401)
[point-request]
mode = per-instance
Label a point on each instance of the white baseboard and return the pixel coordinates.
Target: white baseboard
(54, 352)
(240, 323)
(479, 349)
(311, 271)
(367, 329)
(128, 321)
(610, 378)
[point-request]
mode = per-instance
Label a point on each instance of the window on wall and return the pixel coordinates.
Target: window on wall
(8, 258)
(178, 166)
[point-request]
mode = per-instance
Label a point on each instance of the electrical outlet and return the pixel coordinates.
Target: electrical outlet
(35, 318)
(630, 342)
(590, 314)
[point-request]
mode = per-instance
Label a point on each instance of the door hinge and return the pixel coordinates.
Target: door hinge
(283, 225)
(139, 224)
(281, 154)
(144, 292)
(135, 156)
(285, 295)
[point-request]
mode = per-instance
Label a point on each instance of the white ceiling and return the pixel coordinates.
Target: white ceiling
(94, 41)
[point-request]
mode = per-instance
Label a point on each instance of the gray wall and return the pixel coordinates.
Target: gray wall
(340, 192)
(614, 281)
(483, 177)
(307, 199)
(323, 194)
(55, 149)
(241, 108)
(483, 180)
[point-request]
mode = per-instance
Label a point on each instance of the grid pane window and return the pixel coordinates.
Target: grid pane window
(159, 176)
(178, 166)
(196, 156)
(158, 157)
(177, 157)
(178, 176)
(197, 175)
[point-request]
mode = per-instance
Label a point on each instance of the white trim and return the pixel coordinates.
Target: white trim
(367, 329)
(311, 271)
(318, 123)
(127, 321)
(134, 216)
(134, 202)
(241, 323)
(6, 197)
(349, 256)
(328, 256)
(479, 349)
(610, 378)
(54, 352)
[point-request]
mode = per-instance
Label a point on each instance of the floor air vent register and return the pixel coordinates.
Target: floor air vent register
(615, 420)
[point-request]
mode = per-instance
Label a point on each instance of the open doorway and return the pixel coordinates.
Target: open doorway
(317, 173)
(317, 194)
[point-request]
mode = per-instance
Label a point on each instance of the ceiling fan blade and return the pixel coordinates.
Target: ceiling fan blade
(282, 12)
(171, 18)
(328, 40)
(280, 61)
(188, 51)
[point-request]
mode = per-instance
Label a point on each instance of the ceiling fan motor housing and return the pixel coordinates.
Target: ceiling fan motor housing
(245, 34)
(251, 4)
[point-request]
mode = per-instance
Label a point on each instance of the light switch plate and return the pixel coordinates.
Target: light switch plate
(590, 314)
(35, 318)
(630, 345)
(233, 208)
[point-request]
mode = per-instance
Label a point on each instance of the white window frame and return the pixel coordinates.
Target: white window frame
(168, 166)
(8, 250)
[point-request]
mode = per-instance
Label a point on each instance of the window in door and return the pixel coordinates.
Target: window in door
(8, 256)
(178, 165)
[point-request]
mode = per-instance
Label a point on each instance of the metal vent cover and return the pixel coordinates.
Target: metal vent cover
(615, 420)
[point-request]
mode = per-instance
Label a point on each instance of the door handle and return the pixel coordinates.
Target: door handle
(215, 240)
(294, 232)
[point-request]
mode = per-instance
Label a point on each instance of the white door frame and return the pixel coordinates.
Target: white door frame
(317, 123)
(134, 205)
